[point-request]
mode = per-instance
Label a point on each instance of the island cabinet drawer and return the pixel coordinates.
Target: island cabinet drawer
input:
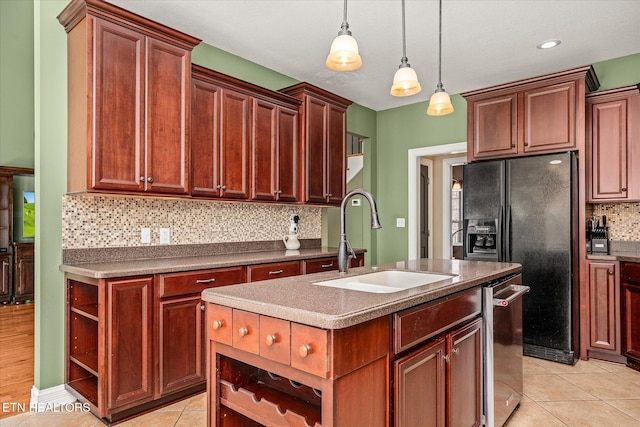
(274, 270)
(275, 339)
(246, 331)
(318, 265)
(173, 284)
(420, 323)
(309, 349)
(220, 323)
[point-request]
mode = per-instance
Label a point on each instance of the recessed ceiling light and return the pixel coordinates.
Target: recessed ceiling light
(548, 44)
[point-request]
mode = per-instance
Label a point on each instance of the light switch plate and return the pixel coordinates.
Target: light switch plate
(145, 235)
(165, 236)
(400, 222)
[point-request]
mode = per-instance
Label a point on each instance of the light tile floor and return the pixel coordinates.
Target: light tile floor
(590, 394)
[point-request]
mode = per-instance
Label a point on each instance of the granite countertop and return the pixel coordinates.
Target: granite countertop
(144, 266)
(298, 299)
(619, 251)
(616, 256)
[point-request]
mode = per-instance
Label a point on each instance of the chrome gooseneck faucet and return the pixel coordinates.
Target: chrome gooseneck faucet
(345, 251)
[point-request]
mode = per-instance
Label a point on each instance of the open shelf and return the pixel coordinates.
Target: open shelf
(87, 387)
(90, 311)
(88, 361)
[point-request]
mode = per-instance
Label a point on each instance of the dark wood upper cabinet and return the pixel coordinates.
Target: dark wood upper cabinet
(274, 152)
(322, 141)
(244, 139)
(129, 101)
(533, 116)
(613, 145)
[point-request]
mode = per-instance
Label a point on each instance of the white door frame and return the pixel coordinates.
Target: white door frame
(446, 207)
(414, 156)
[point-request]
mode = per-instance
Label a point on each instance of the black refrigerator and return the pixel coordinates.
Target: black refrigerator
(524, 210)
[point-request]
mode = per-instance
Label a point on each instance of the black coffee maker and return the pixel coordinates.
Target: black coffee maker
(597, 235)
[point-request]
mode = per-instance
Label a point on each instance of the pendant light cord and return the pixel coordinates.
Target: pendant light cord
(404, 43)
(440, 46)
(345, 24)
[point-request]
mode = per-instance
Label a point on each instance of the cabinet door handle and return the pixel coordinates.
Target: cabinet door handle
(206, 280)
(327, 265)
(610, 272)
(271, 340)
(275, 272)
(202, 307)
(149, 179)
(455, 351)
(513, 145)
(623, 189)
(446, 357)
(224, 187)
(218, 187)
(217, 324)
(4, 266)
(142, 179)
(243, 332)
(305, 350)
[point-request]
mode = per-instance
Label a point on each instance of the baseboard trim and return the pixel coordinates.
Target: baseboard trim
(50, 399)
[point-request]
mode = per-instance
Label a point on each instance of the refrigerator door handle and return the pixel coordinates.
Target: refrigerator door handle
(507, 237)
(500, 234)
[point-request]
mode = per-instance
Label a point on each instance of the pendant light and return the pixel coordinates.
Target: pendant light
(344, 55)
(440, 103)
(405, 81)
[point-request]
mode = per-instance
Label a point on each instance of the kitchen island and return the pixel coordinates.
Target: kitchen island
(292, 352)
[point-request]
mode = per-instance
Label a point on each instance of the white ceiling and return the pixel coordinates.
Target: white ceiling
(484, 42)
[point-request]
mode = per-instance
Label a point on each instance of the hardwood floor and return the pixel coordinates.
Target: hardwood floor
(16, 356)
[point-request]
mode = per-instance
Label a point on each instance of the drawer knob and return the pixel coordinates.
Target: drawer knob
(217, 324)
(305, 350)
(243, 332)
(271, 340)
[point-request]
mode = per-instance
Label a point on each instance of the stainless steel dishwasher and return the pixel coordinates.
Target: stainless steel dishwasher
(503, 374)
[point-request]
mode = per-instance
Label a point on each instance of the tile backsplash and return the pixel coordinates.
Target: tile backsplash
(623, 219)
(100, 221)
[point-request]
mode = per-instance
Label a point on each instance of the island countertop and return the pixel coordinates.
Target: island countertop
(297, 299)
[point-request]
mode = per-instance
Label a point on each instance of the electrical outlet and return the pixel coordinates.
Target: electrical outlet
(356, 202)
(165, 236)
(145, 235)
(400, 222)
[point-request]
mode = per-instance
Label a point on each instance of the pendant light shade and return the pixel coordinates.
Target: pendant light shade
(344, 54)
(405, 81)
(440, 102)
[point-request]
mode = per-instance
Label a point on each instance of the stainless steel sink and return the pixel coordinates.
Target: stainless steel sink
(386, 281)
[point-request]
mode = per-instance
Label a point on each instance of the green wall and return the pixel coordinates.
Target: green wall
(36, 31)
(50, 83)
(16, 83)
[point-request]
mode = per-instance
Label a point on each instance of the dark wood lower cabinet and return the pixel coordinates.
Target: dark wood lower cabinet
(181, 355)
(6, 280)
(631, 313)
(23, 281)
(604, 311)
(420, 390)
(129, 341)
(440, 383)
